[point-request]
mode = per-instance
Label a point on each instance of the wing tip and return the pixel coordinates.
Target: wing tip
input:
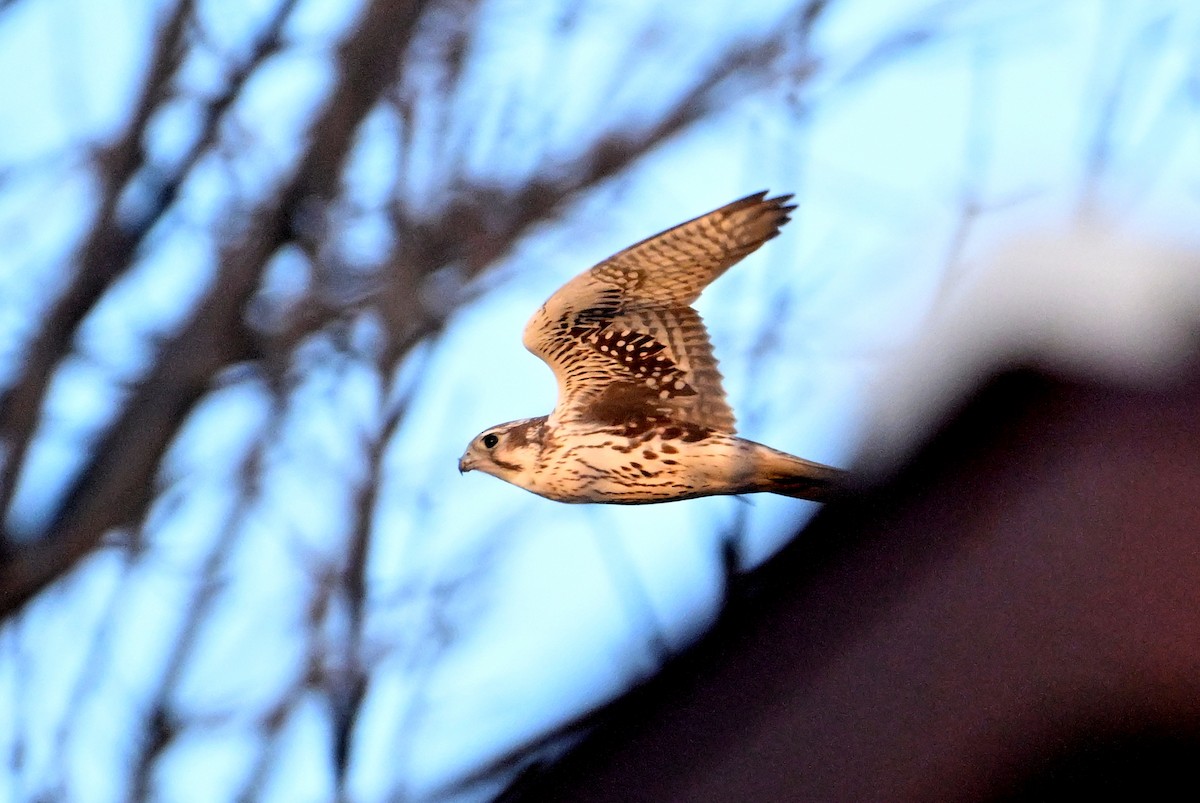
(776, 210)
(760, 197)
(775, 203)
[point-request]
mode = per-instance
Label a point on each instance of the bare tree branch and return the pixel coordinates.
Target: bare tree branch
(104, 255)
(484, 222)
(117, 485)
(160, 722)
(346, 692)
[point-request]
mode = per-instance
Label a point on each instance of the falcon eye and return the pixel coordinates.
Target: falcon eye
(490, 440)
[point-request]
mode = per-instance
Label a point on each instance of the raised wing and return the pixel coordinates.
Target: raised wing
(622, 339)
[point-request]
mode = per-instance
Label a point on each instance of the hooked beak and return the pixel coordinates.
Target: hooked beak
(465, 463)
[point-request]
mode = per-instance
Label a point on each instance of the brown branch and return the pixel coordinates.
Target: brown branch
(272, 724)
(161, 724)
(108, 251)
(367, 63)
(103, 256)
(484, 222)
(167, 186)
(117, 485)
(346, 697)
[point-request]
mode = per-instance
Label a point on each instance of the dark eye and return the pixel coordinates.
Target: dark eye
(490, 440)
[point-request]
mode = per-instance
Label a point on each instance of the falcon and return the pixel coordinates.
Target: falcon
(641, 416)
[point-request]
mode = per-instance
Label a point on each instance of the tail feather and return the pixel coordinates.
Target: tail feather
(822, 488)
(788, 475)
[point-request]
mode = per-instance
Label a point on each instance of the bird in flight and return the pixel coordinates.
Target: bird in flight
(641, 415)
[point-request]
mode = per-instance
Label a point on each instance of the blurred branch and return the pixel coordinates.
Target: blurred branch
(99, 652)
(167, 185)
(483, 222)
(1108, 92)
(272, 726)
(1125, 127)
(366, 64)
(111, 245)
(117, 485)
(161, 723)
(978, 152)
(346, 693)
(104, 255)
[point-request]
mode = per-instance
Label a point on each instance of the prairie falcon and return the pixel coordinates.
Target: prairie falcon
(641, 415)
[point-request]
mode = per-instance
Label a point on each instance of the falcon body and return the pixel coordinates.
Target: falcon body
(641, 415)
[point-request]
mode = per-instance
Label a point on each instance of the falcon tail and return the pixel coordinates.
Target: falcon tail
(788, 475)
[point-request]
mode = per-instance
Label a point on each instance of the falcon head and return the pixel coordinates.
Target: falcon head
(507, 451)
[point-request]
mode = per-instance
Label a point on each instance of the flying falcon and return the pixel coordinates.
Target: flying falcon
(641, 415)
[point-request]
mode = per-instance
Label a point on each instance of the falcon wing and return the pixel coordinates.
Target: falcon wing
(622, 339)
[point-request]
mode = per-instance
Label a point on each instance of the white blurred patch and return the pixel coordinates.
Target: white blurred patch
(1087, 303)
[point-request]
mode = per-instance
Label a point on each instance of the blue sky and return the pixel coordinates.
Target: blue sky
(495, 615)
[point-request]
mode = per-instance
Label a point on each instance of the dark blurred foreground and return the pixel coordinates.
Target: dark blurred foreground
(1015, 615)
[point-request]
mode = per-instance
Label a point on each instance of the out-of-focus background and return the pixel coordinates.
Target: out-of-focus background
(263, 273)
